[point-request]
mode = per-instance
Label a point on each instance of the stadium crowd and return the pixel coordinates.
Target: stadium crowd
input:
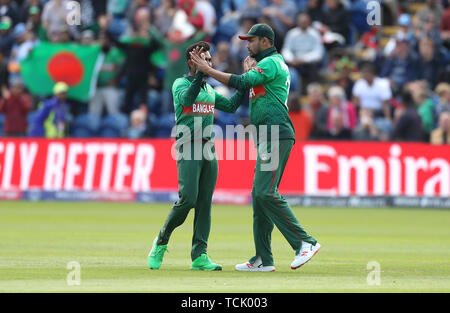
(349, 80)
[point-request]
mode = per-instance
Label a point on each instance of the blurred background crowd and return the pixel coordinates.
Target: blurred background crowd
(349, 80)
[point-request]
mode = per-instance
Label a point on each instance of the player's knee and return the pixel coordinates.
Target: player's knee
(188, 201)
(261, 195)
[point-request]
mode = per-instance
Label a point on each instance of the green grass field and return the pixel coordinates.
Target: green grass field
(111, 241)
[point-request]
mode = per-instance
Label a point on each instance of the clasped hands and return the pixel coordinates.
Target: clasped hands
(198, 59)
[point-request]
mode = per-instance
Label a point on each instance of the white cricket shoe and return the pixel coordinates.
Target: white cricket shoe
(257, 266)
(306, 253)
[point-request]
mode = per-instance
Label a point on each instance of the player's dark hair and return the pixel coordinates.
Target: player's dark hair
(201, 44)
(272, 43)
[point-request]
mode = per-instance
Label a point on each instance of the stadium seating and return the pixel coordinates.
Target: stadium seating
(113, 126)
(162, 126)
(2, 122)
(85, 126)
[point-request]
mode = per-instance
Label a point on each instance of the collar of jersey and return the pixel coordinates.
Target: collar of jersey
(265, 53)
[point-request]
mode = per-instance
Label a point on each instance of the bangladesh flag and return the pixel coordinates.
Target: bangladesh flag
(74, 64)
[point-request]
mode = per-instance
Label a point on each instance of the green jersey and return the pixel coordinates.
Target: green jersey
(195, 102)
(268, 85)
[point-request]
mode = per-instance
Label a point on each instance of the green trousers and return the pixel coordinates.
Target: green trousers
(269, 207)
(196, 182)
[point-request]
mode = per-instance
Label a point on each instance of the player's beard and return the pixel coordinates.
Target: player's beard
(253, 54)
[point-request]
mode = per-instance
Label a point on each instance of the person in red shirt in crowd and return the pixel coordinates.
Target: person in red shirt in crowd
(15, 104)
(301, 118)
(194, 17)
(445, 28)
(338, 102)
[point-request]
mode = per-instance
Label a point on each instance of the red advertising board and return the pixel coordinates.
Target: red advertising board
(314, 168)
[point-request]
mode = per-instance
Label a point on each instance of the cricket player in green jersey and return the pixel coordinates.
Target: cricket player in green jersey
(268, 80)
(195, 102)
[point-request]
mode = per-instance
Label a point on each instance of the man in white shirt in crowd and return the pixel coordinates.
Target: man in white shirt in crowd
(374, 93)
(303, 49)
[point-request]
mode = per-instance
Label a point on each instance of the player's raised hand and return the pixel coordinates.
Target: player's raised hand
(248, 64)
(198, 58)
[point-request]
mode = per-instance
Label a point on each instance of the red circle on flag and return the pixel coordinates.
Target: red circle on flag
(66, 67)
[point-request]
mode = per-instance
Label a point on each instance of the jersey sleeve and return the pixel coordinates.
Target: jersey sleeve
(184, 92)
(229, 105)
(264, 72)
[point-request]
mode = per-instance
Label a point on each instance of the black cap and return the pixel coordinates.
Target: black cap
(259, 30)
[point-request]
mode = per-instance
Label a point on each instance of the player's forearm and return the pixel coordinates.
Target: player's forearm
(190, 94)
(230, 105)
(240, 82)
(222, 77)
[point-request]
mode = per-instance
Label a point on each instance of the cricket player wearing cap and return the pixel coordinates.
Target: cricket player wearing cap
(268, 80)
(195, 102)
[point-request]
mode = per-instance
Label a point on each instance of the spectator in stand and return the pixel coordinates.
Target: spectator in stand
(282, 14)
(6, 36)
(61, 35)
(441, 135)
(372, 92)
(10, 8)
(195, 18)
(314, 10)
(239, 49)
(107, 94)
(206, 9)
(87, 37)
(445, 28)
(405, 31)
(164, 16)
(402, 66)
(54, 18)
(336, 18)
(337, 101)
(52, 119)
(443, 92)
(279, 37)
(427, 25)
(303, 49)
(117, 11)
(33, 23)
(25, 9)
(252, 9)
(366, 130)
(301, 118)
(138, 67)
(15, 104)
(99, 8)
(138, 125)
(319, 110)
(231, 6)
(337, 130)
(88, 15)
(4, 74)
(223, 62)
(433, 7)
(425, 105)
(344, 67)
(407, 124)
(181, 35)
(431, 65)
(135, 6)
(24, 43)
